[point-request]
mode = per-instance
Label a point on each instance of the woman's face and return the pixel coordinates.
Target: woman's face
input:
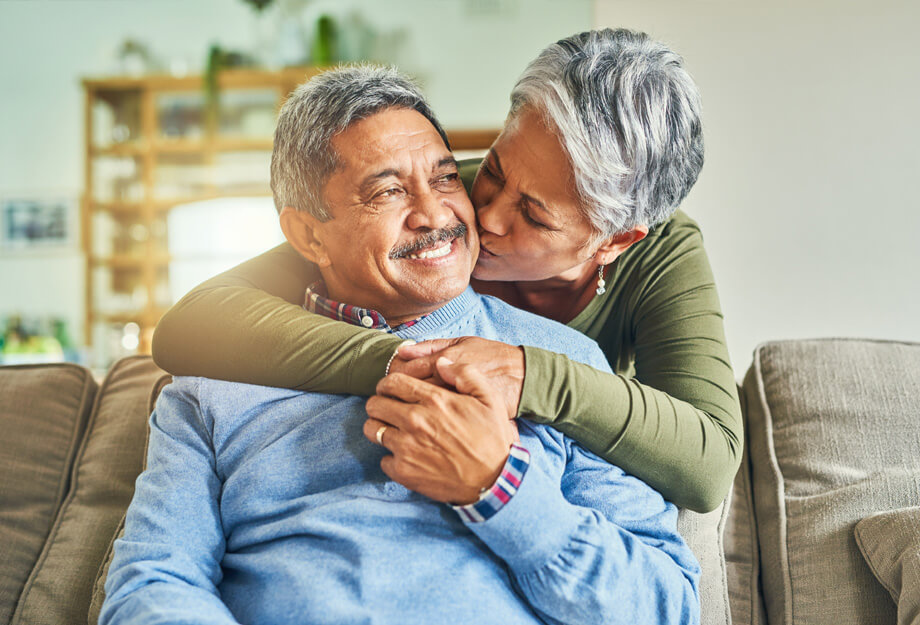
(530, 225)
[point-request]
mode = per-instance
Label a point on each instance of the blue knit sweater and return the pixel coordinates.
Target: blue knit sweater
(263, 505)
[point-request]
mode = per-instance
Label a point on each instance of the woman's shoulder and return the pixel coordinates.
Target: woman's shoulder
(679, 223)
(673, 249)
(679, 234)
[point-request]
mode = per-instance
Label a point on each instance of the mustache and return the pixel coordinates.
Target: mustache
(428, 239)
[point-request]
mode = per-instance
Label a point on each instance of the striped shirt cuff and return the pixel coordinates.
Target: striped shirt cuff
(502, 491)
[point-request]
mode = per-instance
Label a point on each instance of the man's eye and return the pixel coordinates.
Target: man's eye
(448, 179)
(389, 193)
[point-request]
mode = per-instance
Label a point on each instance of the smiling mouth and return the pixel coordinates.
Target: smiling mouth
(435, 252)
(433, 244)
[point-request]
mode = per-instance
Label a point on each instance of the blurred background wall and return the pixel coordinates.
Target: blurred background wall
(810, 112)
(806, 199)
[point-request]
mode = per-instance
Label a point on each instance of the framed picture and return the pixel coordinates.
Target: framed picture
(37, 224)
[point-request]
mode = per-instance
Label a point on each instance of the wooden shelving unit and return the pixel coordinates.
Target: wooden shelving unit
(152, 127)
(151, 145)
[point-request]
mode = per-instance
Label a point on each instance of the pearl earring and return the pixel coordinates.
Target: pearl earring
(600, 281)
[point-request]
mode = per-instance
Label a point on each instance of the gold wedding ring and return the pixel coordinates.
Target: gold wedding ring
(380, 432)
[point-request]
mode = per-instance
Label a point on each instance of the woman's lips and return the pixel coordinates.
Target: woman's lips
(484, 251)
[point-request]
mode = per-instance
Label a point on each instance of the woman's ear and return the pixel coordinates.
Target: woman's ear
(618, 243)
(304, 232)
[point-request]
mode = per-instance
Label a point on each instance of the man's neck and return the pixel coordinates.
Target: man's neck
(395, 320)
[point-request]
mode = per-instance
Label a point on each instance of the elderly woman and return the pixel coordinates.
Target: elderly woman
(577, 209)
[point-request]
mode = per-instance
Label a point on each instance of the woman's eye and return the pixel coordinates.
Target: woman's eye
(532, 221)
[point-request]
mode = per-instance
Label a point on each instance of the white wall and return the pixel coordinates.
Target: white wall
(806, 200)
(466, 53)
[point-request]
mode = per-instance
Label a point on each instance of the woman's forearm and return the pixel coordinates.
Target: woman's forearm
(688, 453)
(248, 325)
(245, 335)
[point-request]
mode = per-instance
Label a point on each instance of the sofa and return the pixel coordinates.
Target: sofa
(822, 526)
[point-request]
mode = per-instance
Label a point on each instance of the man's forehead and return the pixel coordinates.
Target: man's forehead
(399, 138)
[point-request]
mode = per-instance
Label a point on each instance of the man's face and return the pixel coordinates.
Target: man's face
(402, 239)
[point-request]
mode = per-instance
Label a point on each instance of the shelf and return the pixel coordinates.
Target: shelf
(118, 207)
(227, 79)
(130, 148)
(120, 261)
(184, 146)
(219, 144)
(166, 204)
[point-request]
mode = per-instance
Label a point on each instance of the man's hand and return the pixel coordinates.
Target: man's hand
(501, 364)
(447, 445)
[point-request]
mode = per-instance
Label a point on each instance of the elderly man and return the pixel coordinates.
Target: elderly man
(264, 505)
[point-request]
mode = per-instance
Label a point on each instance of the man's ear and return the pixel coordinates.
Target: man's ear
(304, 232)
(615, 245)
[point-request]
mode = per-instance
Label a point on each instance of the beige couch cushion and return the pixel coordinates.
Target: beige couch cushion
(98, 596)
(109, 460)
(43, 412)
(833, 438)
(890, 542)
(742, 554)
(703, 533)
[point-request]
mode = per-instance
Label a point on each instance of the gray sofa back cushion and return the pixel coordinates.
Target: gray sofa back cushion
(703, 533)
(108, 461)
(742, 553)
(43, 412)
(833, 438)
(890, 542)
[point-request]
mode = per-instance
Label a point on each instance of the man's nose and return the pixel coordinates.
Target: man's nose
(431, 211)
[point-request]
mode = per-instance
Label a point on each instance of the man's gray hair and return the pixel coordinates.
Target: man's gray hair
(628, 115)
(303, 158)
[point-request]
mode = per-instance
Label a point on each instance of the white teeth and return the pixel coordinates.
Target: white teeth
(437, 252)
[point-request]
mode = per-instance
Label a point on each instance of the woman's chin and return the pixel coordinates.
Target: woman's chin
(491, 268)
(484, 273)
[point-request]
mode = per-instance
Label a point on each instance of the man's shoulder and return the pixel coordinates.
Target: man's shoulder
(519, 327)
(215, 393)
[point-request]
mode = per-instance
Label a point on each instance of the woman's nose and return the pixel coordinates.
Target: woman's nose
(493, 216)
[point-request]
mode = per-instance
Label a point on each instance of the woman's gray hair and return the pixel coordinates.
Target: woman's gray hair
(303, 157)
(628, 115)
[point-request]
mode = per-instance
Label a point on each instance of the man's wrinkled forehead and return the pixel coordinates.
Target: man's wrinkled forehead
(394, 141)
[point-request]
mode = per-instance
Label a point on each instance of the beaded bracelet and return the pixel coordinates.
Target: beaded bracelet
(386, 371)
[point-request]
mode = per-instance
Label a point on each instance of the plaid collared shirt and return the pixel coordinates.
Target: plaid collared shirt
(317, 301)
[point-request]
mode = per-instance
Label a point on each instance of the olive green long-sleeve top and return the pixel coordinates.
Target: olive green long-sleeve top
(670, 415)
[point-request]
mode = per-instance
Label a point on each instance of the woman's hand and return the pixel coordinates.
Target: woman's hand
(501, 364)
(447, 444)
